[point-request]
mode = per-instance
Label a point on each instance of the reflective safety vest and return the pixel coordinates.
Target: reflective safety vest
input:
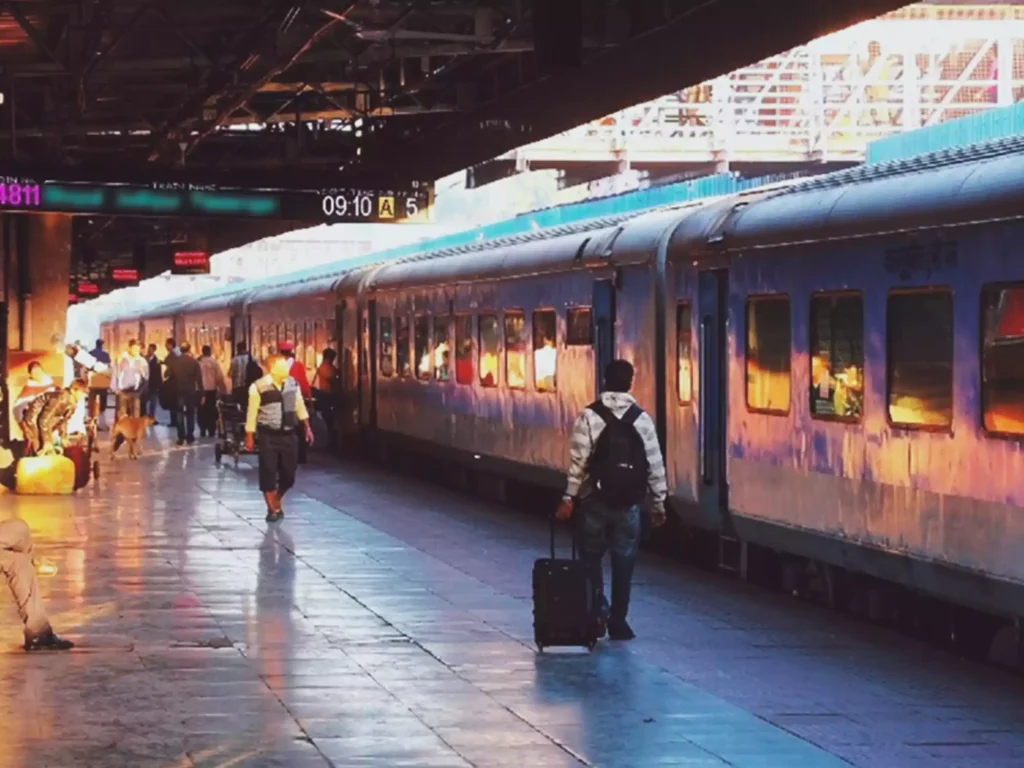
(277, 406)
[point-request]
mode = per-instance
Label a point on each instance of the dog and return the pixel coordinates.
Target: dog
(130, 429)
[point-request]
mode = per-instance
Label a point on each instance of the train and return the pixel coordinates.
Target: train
(835, 364)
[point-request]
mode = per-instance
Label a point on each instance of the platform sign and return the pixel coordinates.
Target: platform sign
(191, 263)
(125, 275)
(45, 193)
(87, 288)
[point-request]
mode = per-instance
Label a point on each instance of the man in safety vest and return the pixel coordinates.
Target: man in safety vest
(297, 371)
(276, 410)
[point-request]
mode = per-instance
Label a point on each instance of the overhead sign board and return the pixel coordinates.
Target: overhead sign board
(407, 202)
(88, 288)
(124, 275)
(191, 263)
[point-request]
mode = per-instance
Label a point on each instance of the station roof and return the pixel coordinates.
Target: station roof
(345, 89)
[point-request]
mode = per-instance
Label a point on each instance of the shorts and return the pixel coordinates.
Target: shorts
(278, 459)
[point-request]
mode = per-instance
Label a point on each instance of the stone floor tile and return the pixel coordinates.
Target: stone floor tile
(386, 623)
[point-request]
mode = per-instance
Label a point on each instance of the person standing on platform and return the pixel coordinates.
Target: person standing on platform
(239, 373)
(275, 412)
(615, 458)
(168, 393)
(18, 569)
(129, 381)
(153, 381)
(186, 379)
(324, 391)
(99, 381)
(213, 387)
(298, 372)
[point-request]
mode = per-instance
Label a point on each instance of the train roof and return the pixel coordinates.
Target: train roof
(966, 185)
(485, 258)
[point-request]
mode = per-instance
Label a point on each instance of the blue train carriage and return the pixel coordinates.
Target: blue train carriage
(216, 318)
(869, 329)
(482, 357)
(299, 311)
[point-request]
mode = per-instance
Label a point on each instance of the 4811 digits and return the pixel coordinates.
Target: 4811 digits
(19, 195)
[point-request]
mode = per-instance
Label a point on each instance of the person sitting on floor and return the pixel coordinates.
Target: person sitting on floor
(18, 568)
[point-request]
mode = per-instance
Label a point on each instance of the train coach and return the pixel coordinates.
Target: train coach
(835, 366)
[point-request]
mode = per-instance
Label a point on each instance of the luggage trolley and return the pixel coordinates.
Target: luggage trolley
(230, 430)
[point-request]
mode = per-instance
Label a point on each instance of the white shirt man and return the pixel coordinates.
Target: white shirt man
(130, 377)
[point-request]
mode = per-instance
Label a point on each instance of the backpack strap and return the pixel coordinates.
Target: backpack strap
(603, 411)
(631, 415)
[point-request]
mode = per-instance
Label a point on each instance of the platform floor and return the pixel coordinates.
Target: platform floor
(388, 623)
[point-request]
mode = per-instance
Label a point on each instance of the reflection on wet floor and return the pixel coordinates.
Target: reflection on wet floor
(350, 635)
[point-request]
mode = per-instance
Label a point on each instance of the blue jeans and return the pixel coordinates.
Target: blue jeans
(151, 399)
(186, 418)
(602, 529)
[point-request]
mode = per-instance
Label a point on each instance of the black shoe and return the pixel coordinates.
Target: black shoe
(181, 442)
(274, 517)
(620, 630)
(47, 641)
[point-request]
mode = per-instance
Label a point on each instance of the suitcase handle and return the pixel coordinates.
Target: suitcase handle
(572, 538)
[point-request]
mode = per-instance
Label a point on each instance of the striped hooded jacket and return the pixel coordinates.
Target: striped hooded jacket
(588, 428)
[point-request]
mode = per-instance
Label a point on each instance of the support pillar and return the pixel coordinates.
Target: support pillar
(36, 251)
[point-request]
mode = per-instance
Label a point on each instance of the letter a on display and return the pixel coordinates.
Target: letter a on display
(386, 207)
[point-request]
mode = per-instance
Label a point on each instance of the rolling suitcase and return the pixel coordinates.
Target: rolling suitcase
(81, 457)
(566, 601)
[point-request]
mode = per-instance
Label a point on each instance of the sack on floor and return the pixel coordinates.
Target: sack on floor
(45, 476)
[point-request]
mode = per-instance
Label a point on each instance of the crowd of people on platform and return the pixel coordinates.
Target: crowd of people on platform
(47, 418)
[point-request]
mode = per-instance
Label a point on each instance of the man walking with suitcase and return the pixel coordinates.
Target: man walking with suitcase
(615, 459)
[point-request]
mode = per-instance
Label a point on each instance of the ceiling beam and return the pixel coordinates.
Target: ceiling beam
(237, 102)
(666, 59)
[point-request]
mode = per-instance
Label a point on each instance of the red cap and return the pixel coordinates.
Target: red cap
(286, 346)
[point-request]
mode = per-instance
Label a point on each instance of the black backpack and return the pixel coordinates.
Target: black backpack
(253, 372)
(618, 465)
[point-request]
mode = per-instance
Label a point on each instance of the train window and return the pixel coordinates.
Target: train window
(545, 350)
(919, 327)
(319, 341)
(837, 356)
(464, 349)
(490, 342)
(300, 343)
(579, 329)
(768, 349)
(515, 349)
(442, 353)
(684, 368)
(387, 346)
(421, 338)
(1002, 358)
(402, 346)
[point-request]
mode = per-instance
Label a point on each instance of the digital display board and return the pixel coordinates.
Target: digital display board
(409, 202)
(124, 275)
(191, 263)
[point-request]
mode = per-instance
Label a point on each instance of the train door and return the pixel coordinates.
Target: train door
(604, 328)
(367, 384)
(346, 344)
(240, 332)
(713, 308)
(372, 360)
